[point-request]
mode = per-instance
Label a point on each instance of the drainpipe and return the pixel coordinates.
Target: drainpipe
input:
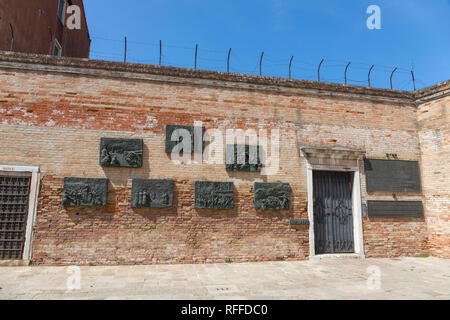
(51, 41)
(12, 38)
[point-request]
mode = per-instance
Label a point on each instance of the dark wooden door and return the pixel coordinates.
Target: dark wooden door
(333, 219)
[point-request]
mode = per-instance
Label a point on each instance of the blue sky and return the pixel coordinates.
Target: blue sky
(415, 35)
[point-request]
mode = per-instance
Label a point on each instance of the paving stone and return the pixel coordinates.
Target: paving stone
(405, 278)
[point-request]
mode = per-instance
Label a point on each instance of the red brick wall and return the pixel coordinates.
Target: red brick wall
(119, 234)
(434, 133)
(391, 237)
(55, 119)
(36, 24)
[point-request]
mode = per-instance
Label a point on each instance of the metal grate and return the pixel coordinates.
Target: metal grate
(333, 219)
(14, 194)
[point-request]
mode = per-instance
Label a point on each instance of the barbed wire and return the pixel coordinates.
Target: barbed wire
(331, 70)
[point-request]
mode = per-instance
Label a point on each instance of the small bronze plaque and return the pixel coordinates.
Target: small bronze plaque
(243, 158)
(121, 152)
(392, 175)
(214, 195)
(84, 192)
(395, 208)
(272, 196)
(152, 193)
(299, 222)
(176, 133)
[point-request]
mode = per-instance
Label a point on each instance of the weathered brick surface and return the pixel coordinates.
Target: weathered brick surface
(54, 118)
(434, 133)
(119, 234)
(391, 237)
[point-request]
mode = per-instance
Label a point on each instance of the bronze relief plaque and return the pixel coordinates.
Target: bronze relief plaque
(214, 195)
(85, 192)
(115, 152)
(272, 196)
(174, 137)
(243, 158)
(152, 193)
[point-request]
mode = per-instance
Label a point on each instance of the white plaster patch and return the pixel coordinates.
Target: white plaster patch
(24, 111)
(50, 123)
(56, 112)
(150, 122)
(437, 139)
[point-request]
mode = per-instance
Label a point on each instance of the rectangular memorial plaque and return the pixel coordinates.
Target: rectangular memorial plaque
(272, 196)
(395, 208)
(152, 193)
(299, 222)
(176, 133)
(214, 195)
(392, 175)
(84, 192)
(121, 152)
(243, 158)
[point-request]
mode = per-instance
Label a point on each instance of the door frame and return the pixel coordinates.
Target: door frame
(32, 204)
(356, 209)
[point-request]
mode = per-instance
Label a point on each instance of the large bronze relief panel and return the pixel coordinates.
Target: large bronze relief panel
(214, 195)
(116, 152)
(152, 193)
(272, 196)
(89, 192)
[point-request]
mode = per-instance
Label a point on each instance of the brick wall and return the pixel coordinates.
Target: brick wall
(36, 25)
(54, 112)
(434, 133)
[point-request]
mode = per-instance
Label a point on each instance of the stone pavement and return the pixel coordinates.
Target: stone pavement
(402, 278)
